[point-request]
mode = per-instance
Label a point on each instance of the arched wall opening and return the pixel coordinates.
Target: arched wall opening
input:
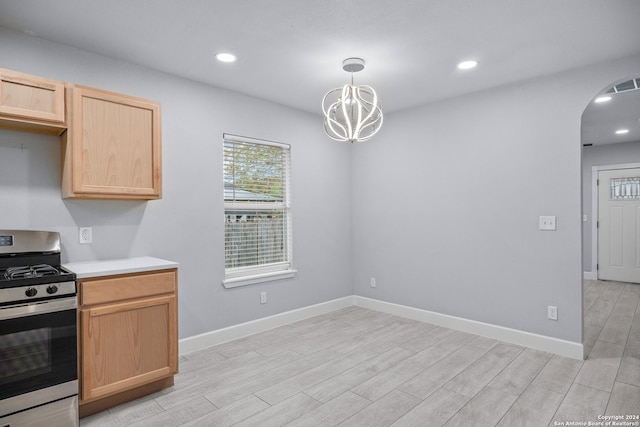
(604, 150)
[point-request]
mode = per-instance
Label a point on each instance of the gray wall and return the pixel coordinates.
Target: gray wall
(610, 154)
(187, 224)
(441, 207)
(446, 204)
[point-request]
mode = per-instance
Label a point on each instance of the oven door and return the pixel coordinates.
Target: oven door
(38, 353)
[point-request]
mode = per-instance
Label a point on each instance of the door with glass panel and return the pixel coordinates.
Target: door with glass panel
(619, 225)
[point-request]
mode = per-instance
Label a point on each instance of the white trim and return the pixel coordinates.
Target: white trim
(219, 336)
(539, 342)
(234, 282)
(594, 210)
(590, 275)
(594, 222)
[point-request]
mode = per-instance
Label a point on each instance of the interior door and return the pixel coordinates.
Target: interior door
(619, 225)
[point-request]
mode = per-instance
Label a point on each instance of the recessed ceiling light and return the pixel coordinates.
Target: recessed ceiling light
(601, 99)
(225, 57)
(622, 131)
(467, 65)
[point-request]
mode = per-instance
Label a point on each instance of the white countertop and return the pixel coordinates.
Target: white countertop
(118, 266)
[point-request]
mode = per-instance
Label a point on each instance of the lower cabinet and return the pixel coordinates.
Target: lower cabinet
(128, 337)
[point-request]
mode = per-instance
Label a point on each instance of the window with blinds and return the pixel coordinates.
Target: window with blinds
(257, 218)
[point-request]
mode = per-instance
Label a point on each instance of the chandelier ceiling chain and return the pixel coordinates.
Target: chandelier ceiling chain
(352, 113)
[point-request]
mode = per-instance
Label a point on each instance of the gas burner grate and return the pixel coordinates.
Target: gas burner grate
(27, 271)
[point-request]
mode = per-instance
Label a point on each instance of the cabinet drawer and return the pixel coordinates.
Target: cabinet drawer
(119, 288)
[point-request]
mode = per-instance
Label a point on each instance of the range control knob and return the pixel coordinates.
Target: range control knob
(52, 289)
(31, 292)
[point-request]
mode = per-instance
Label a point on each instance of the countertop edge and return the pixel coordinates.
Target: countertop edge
(112, 267)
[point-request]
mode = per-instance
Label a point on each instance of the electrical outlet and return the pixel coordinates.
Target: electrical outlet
(373, 282)
(547, 223)
(263, 297)
(552, 312)
(85, 235)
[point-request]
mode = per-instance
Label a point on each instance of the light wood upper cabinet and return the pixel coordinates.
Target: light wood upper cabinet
(31, 103)
(112, 149)
(128, 334)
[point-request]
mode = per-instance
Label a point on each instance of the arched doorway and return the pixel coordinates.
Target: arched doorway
(610, 135)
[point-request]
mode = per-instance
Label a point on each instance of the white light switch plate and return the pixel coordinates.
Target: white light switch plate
(548, 223)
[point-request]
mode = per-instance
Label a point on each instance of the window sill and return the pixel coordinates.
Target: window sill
(258, 278)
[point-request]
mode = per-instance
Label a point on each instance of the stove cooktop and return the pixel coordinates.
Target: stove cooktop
(18, 276)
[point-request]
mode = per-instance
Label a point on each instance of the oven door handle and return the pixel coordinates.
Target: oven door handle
(42, 307)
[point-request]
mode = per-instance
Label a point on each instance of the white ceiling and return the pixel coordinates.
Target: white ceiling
(291, 51)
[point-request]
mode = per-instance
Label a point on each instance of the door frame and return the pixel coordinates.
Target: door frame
(593, 275)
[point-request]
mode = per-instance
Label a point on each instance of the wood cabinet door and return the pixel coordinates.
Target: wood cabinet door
(126, 345)
(31, 99)
(112, 149)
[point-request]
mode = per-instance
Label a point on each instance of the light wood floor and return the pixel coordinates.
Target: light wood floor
(357, 367)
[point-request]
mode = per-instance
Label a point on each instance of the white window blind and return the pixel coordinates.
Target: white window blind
(257, 218)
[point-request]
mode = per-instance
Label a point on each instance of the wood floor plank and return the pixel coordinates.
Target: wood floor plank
(282, 413)
(481, 372)
(485, 409)
(432, 335)
(435, 376)
(600, 369)
(230, 414)
(221, 380)
(558, 374)
(634, 332)
(386, 381)
(627, 303)
(516, 377)
(355, 376)
(332, 412)
(225, 395)
(624, 400)
(383, 412)
(180, 415)
(316, 339)
(348, 345)
(125, 414)
(629, 371)
(434, 411)
(616, 330)
(581, 404)
(295, 384)
(534, 407)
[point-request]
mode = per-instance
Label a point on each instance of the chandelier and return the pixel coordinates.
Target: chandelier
(352, 113)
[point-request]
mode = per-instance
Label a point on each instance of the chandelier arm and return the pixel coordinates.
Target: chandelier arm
(330, 122)
(345, 92)
(369, 120)
(340, 135)
(330, 134)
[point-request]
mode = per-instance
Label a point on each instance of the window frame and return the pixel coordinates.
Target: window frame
(249, 275)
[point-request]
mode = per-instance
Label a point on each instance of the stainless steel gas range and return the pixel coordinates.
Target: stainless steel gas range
(38, 332)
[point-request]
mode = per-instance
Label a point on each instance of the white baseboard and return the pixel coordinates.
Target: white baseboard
(513, 336)
(590, 275)
(219, 336)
